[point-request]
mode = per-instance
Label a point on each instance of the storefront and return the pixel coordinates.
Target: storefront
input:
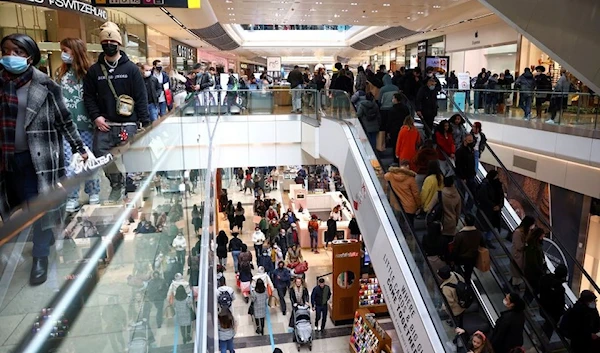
(493, 47)
(416, 53)
(159, 48)
(49, 22)
(183, 56)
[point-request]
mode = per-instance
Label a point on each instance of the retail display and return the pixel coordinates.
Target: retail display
(367, 335)
(370, 295)
(60, 324)
(346, 269)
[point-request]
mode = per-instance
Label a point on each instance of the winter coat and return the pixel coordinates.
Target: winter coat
(361, 81)
(405, 187)
(353, 227)
(489, 195)
(406, 145)
(281, 278)
(183, 311)
(467, 243)
(320, 296)
(429, 190)
(421, 161)
(264, 276)
(465, 163)
(386, 93)
(445, 143)
(300, 301)
(222, 241)
(543, 85)
(535, 265)
(585, 321)
(452, 206)
(525, 82)
(458, 134)
(235, 244)
(508, 332)
(450, 293)
(426, 101)
(518, 251)
(330, 234)
(552, 296)
(47, 122)
(259, 300)
(368, 114)
(395, 119)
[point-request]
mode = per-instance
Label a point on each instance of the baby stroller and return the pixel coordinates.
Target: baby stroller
(302, 327)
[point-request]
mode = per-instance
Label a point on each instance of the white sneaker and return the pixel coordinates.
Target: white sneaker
(550, 121)
(317, 329)
(94, 199)
(72, 205)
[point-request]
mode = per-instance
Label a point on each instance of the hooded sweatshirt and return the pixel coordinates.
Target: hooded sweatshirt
(126, 79)
(386, 93)
(405, 187)
(525, 82)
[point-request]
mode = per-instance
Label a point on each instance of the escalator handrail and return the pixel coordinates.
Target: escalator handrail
(535, 209)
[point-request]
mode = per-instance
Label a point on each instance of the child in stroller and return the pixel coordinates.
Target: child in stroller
(302, 326)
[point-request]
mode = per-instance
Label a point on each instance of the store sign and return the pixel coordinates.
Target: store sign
(69, 5)
(190, 4)
(347, 255)
(274, 64)
(422, 47)
(393, 54)
(243, 66)
(464, 81)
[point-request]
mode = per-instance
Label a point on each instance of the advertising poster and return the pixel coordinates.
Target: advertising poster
(439, 63)
(274, 64)
(464, 81)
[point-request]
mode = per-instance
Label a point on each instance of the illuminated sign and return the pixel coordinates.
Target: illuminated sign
(190, 4)
(69, 5)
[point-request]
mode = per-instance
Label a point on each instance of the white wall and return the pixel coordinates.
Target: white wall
(488, 35)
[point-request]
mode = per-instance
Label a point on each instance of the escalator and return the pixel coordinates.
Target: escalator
(570, 39)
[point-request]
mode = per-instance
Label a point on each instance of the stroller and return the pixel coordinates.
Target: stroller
(302, 327)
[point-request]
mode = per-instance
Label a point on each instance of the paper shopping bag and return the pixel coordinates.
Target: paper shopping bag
(380, 141)
(483, 260)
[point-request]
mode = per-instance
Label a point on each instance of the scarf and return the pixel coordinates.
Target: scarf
(9, 108)
(298, 291)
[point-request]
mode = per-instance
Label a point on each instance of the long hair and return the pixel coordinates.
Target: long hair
(225, 318)
(433, 168)
(180, 293)
(81, 61)
(408, 121)
(260, 286)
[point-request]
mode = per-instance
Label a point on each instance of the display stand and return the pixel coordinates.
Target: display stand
(370, 296)
(346, 270)
(367, 335)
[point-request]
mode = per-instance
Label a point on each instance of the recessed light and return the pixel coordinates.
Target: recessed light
(355, 21)
(408, 17)
(373, 11)
(280, 9)
(230, 8)
(312, 10)
(363, 16)
(228, 1)
(336, 15)
(386, 5)
(353, 3)
(318, 3)
(437, 7)
(420, 12)
(276, 15)
(344, 10)
(329, 21)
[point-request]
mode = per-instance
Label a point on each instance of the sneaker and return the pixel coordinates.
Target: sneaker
(550, 121)
(72, 205)
(94, 199)
(317, 329)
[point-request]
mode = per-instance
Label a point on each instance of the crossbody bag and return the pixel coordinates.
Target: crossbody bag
(124, 102)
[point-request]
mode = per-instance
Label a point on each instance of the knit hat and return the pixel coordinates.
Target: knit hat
(587, 296)
(444, 272)
(110, 31)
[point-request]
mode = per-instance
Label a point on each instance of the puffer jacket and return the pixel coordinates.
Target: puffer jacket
(525, 82)
(404, 185)
(386, 93)
(452, 206)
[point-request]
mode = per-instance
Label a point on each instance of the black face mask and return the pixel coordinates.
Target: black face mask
(159, 68)
(471, 145)
(110, 49)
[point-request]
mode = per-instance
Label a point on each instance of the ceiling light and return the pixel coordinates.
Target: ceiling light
(355, 21)
(329, 21)
(386, 5)
(312, 10)
(319, 3)
(336, 15)
(373, 11)
(228, 1)
(420, 12)
(408, 17)
(280, 9)
(437, 7)
(230, 8)
(353, 3)
(344, 10)
(363, 16)
(276, 15)
(231, 14)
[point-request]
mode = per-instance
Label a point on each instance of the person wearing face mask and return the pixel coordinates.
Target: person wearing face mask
(465, 166)
(281, 281)
(116, 100)
(508, 332)
(518, 247)
(430, 74)
(490, 199)
(31, 148)
(163, 79)
(70, 78)
(552, 298)
(581, 324)
(154, 89)
(535, 263)
(426, 103)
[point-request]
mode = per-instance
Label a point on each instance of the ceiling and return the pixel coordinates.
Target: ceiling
(343, 12)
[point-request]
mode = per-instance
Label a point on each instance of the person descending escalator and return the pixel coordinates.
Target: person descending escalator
(426, 103)
(508, 331)
(490, 200)
(552, 298)
(581, 324)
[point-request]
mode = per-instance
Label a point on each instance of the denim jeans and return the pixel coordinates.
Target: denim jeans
(92, 186)
(152, 111)
(225, 346)
(321, 311)
(525, 103)
(476, 153)
(23, 182)
(162, 108)
(372, 136)
(314, 240)
(235, 254)
(258, 251)
(297, 98)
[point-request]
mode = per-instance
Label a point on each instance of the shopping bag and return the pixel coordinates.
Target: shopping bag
(169, 312)
(273, 301)
(269, 291)
(483, 260)
(380, 141)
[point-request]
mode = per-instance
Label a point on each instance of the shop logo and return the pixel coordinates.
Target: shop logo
(476, 34)
(347, 255)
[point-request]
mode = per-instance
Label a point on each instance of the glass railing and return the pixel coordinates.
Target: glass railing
(580, 110)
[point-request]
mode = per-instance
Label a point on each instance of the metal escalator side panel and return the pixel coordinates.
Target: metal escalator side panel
(407, 307)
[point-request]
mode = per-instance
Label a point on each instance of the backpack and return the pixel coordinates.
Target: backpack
(436, 214)
(224, 299)
(565, 324)
(463, 292)
(373, 113)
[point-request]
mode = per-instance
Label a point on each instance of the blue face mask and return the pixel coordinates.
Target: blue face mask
(14, 64)
(66, 58)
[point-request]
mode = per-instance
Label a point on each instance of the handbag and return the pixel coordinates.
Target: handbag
(251, 309)
(380, 142)
(124, 102)
(192, 314)
(273, 301)
(169, 312)
(269, 291)
(169, 97)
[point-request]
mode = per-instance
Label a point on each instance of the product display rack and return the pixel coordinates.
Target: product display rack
(370, 296)
(60, 324)
(367, 335)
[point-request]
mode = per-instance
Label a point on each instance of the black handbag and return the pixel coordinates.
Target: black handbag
(251, 309)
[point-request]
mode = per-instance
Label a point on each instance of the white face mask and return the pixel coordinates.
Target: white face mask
(147, 73)
(505, 302)
(592, 305)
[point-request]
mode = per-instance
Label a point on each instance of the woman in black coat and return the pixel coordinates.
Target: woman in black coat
(238, 217)
(222, 241)
(331, 231)
(508, 332)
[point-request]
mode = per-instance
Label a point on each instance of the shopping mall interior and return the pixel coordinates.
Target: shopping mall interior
(280, 176)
